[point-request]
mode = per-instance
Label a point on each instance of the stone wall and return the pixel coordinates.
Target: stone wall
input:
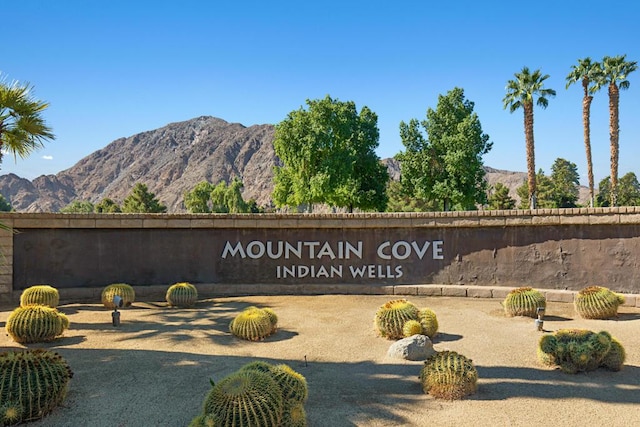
(563, 249)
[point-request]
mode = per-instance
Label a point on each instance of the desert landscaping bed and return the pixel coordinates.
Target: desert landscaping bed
(155, 368)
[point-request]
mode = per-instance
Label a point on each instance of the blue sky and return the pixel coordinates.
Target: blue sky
(112, 69)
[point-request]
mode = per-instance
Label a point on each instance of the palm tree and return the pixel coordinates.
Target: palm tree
(586, 72)
(22, 128)
(521, 92)
(613, 72)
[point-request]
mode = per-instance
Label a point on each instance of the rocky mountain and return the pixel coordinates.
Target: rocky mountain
(170, 161)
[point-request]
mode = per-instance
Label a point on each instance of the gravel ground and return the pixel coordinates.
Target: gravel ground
(154, 369)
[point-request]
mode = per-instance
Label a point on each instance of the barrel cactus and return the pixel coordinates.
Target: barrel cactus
(391, 317)
(32, 384)
(181, 295)
(429, 322)
(411, 328)
(576, 350)
(292, 383)
(36, 323)
(523, 302)
(252, 324)
(122, 290)
(40, 294)
(245, 398)
(294, 414)
(596, 302)
(449, 375)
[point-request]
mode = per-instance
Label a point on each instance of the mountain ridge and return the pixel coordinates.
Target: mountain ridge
(171, 160)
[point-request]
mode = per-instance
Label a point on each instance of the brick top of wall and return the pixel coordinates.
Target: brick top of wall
(496, 218)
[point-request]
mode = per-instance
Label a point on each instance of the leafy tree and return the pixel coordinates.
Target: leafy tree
(22, 128)
(445, 165)
(328, 156)
(613, 73)
(566, 182)
(521, 93)
(233, 197)
(78, 206)
(198, 199)
(107, 205)
(221, 198)
(402, 202)
(140, 200)
(545, 190)
(628, 191)
(586, 72)
(5, 206)
(499, 198)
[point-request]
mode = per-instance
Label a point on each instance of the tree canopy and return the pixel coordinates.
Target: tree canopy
(221, 198)
(499, 198)
(560, 190)
(78, 206)
(628, 191)
(445, 165)
(328, 156)
(141, 200)
(22, 127)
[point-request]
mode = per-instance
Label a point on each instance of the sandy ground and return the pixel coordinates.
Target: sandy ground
(154, 369)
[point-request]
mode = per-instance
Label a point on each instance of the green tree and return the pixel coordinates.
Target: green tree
(140, 200)
(586, 72)
(521, 93)
(218, 197)
(613, 73)
(545, 198)
(328, 156)
(78, 206)
(22, 128)
(566, 183)
(5, 206)
(402, 202)
(198, 199)
(446, 164)
(499, 198)
(628, 191)
(107, 205)
(233, 197)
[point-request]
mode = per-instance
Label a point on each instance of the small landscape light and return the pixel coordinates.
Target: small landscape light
(539, 320)
(115, 316)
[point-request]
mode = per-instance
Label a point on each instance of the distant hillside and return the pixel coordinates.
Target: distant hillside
(172, 160)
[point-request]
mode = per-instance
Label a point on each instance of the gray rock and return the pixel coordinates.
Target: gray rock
(416, 347)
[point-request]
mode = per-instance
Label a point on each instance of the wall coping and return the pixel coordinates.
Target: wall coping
(483, 218)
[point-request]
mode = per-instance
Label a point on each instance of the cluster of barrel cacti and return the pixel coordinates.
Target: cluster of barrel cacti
(32, 384)
(123, 290)
(524, 302)
(448, 375)
(181, 294)
(400, 318)
(575, 350)
(258, 394)
(36, 323)
(40, 294)
(254, 323)
(597, 302)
